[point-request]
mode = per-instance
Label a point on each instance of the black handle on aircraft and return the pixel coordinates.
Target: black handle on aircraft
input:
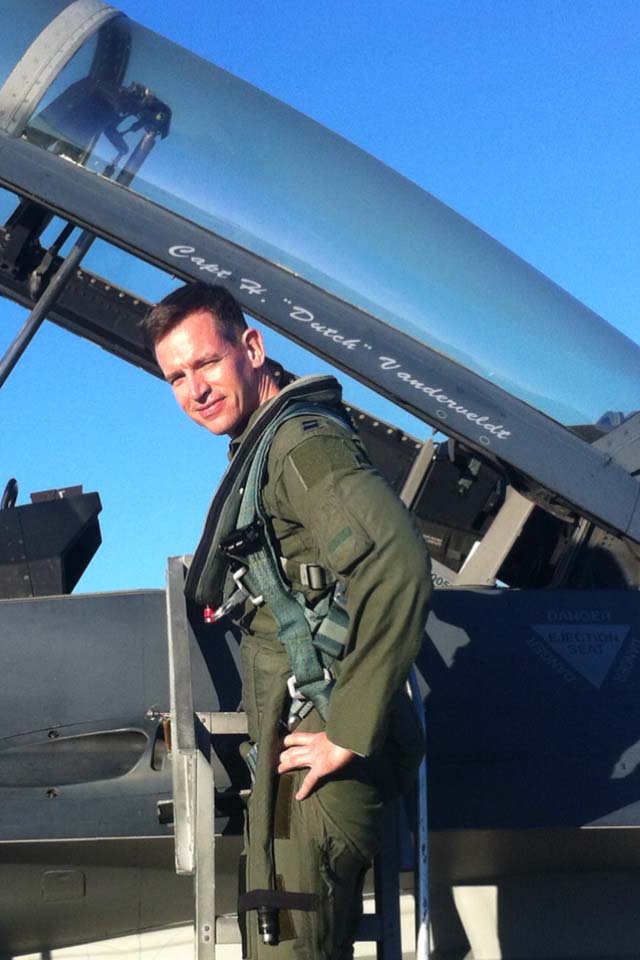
(10, 495)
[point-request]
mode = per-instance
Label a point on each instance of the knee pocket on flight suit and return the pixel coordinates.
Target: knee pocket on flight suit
(340, 905)
(334, 868)
(312, 856)
(330, 868)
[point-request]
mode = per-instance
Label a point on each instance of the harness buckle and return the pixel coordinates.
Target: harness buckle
(237, 576)
(292, 685)
(239, 595)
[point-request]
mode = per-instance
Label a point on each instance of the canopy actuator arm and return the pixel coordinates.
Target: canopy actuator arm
(44, 304)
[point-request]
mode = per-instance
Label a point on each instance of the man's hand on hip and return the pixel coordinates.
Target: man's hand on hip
(316, 751)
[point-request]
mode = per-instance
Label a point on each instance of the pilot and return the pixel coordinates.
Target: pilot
(302, 531)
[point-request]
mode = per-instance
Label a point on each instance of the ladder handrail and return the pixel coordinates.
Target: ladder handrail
(422, 836)
(192, 772)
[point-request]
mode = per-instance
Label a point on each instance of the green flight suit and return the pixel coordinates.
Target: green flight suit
(328, 506)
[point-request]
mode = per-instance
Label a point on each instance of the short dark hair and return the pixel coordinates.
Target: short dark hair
(222, 305)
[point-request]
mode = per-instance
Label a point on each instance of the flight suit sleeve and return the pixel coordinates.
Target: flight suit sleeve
(368, 540)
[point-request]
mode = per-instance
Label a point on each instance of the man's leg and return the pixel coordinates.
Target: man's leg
(314, 853)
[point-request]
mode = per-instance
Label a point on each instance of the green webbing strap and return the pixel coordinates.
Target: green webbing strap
(288, 608)
(329, 623)
(206, 579)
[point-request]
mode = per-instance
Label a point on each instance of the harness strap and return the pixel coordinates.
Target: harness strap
(331, 634)
(298, 625)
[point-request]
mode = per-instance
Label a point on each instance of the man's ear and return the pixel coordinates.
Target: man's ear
(254, 345)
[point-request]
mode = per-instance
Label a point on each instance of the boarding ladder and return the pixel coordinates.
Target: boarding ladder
(194, 793)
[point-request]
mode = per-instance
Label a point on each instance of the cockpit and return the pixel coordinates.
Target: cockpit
(109, 127)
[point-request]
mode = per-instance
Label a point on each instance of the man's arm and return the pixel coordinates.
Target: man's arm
(368, 540)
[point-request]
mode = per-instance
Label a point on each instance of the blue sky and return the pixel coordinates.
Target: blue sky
(522, 116)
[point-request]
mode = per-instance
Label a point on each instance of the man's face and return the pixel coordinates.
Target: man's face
(217, 383)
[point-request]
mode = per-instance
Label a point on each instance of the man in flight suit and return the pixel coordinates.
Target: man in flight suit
(315, 813)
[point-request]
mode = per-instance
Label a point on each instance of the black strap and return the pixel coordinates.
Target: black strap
(276, 900)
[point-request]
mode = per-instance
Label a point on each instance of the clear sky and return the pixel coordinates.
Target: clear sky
(520, 115)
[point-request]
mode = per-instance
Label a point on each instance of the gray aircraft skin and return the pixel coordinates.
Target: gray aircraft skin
(531, 508)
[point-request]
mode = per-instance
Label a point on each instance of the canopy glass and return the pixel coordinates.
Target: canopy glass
(256, 172)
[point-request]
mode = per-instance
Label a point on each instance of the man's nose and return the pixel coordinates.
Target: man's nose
(198, 386)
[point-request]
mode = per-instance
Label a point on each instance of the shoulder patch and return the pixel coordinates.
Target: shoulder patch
(310, 447)
(319, 456)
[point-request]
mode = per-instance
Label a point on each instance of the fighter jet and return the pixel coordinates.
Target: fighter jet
(117, 750)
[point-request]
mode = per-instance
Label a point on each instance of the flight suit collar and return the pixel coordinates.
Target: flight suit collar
(235, 442)
(329, 391)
